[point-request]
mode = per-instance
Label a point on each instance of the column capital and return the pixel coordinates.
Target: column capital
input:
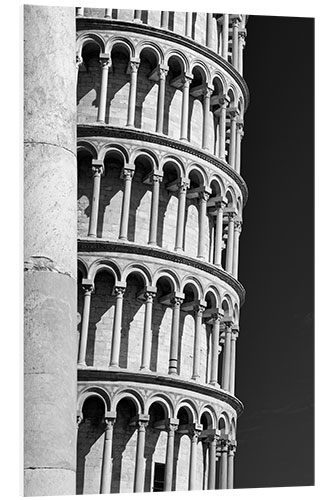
(119, 289)
(163, 71)
(105, 59)
(199, 306)
(208, 91)
(227, 323)
(150, 292)
(128, 171)
(194, 429)
(221, 202)
(172, 424)
(234, 334)
(204, 193)
(177, 299)
(187, 78)
(224, 100)
(156, 177)
(79, 60)
(79, 420)
(235, 19)
(133, 65)
(109, 422)
(87, 285)
(233, 112)
(97, 167)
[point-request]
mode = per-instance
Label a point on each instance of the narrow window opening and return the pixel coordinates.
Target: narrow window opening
(159, 477)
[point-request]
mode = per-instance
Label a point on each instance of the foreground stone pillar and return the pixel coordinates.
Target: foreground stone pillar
(237, 232)
(212, 459)
(203, 198)
(172, 426)
(185, 108)
(234, 336)
(160, 100)
(50, 311)
(139, 473)
(107, 457)
(217, 317)
(224, 101)
(226, 358)
(194, 434)
(230, 242)
(156, 180)
(188, 24)
(206, 110)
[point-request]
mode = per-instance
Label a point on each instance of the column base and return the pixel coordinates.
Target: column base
(82, 365)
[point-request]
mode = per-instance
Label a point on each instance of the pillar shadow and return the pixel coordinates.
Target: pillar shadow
(175, 461)
(169, 95)
(122, 434)
(158, 314)
(137, 193)
(152, 436)
(165, 197)
(204, 463)
(111, 184)
(118, 78)
(88, 435)
(144, 86)
(182, 316)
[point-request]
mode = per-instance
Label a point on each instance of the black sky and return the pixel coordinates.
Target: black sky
(275, 355)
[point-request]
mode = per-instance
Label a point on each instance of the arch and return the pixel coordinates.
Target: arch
(224, 422)
(195, 283)
(145, 153)
(226, 305)
(93, 391)
(199, 172)
(110, 148)
(149, 45)
(203, 69)
(176, 162)
(169, 275)
(220, 78)
(87, 146)
(179, 55)
(82, 266)
(105, 265)
(117, 40)
(208, 410)
(86, 38)
(231, 196)
(212, 297)
(164, 401)
(189, 407)
(131, 394)
(137, 268)
(217, 186)
(232, 94)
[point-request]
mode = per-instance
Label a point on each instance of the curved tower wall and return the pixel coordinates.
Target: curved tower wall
(160, 108)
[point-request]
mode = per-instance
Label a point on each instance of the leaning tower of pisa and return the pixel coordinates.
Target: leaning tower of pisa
(160, 109)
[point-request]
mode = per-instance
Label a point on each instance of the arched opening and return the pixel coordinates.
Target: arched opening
(191, 239)
(147, 91)
(90, 442)
(124, 447)
(213, 205)
(195, 124)
(206, 358)
(161, 325)
(232, 107)
(84, 187)
(89, 81)
(132, 323)
(182, 450)
(173, 97)
(155, 449)
(118, 86)
(207, 423)
(101, 320)
(168, 206)
(216, 104)
(187, 331)
(140, 205)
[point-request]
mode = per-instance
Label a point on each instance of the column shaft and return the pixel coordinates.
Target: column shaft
(169, 459)
(97, 173)
(212, 464)
(222, 128)
(232, 363)
(226, 360)
(232, 146)
(193, 462)
(224, 467)
(202, 224)
(230, 476)
(237, 231)
(137, 15)
(160, 101)
(188, 24)
(107, 459)
(185, 106)
(147, 332)
(198, 310)
(239, 135)
(206, 111)
(116, 333)
(218, 236)
(173, 361)
(84, 327)
(103, 89)
(128, 175)
(241, 42)
(209, 33)
(134, 67)
(108, 13)
(154, 210)
(215, 350)
(164, 19)
(225, 36)
(230, 244)
(140, 460)
(235, 24)
(181, 216)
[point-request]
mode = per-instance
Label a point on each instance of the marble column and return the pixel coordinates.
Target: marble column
(105, 62)
(176, 302)
(209, 32)
(226, 358)
(212, 459)
(139, 472)
(239, 136)
(225, 36)
(206, 115)
(185, 108)
(172, 426)
(137, 16)
(224, 465)
(237, 232)
(127, 175)
(88, 287)
(198, 309)
(203, 198)
(188, 24)
(156, 180)
(165, 19)
(235, 27)
(220, 205)
(241, 45)
(194, 434)
(234, 336)
(230, 242)
(97, 170)
(232, 147)
(133, 70)
(50, 244)
(217, 317)
(230, 475)
(118, 291)
(183, 185)
(224, 101)
(149, 295)
(161, 100)
(107, 457)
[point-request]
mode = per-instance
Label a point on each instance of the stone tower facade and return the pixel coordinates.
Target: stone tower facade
(160, 107)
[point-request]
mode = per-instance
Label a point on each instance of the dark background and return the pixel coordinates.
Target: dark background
(275, 349)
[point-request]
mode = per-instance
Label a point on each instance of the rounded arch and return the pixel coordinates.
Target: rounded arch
(208, 412)
(130, 394)
(219, 81)
(217, 186)
(82, 266)
(118, 41)
(137, 268)
(104, 265)
(190, 409)
(163, 400)
(198, 174)
(149, 45)
(231, 196)
(190, 280)
(232, 94)
(117, 150)
(174, 53)
(92, 38)
(224, 423)
(93, 391)
(226, 305)
(86, 146)
(170, 275)
(170, 160)
(212, 297)
(202, 68)
(145, 154)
